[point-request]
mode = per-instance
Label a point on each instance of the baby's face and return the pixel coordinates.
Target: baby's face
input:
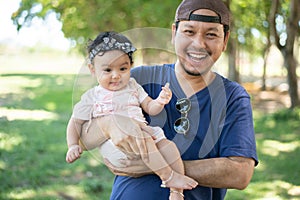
(112, 69)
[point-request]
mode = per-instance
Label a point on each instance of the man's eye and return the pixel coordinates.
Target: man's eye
(189, 32)
(211, 34)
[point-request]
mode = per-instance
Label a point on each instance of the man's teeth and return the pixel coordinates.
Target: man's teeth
(197, 56)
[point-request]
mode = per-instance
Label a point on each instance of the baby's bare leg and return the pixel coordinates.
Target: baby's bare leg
(160, 164)
(92, 135)
(171, 154)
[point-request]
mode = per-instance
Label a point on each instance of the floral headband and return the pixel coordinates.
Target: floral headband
(110, 43)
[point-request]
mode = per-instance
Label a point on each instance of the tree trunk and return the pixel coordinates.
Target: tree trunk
(264, 76)
(233, 73)
(270, 32)
(288, 50)
(232, 69)
(290, 61)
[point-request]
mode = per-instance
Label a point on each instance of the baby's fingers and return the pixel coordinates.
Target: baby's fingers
(167, 92)
(167, 85)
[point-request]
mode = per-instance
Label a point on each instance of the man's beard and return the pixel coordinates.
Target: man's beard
(194, 73)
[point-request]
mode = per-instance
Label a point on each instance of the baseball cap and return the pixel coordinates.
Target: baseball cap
(185, 9)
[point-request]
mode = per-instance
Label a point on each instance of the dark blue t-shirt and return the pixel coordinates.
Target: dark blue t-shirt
(221, 125)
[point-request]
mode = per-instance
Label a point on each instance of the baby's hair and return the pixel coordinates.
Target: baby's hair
(92, 44)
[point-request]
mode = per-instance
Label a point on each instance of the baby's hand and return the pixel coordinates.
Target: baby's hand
(73, 153)
(165, 95)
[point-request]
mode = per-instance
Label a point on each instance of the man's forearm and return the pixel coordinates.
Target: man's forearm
(232, 172)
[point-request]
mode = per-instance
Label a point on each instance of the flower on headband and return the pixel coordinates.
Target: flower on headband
(106, 40)
(110, 43)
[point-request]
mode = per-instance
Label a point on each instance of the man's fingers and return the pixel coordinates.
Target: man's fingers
(143, 151)
(133, 146)
(127, 147)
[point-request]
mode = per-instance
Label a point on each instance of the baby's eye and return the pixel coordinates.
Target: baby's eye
(124, 68)
(107, 70)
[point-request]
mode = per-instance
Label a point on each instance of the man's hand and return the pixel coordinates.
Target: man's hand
(124, 132)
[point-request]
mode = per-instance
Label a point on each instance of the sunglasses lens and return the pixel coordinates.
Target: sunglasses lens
(183, 105)
(182, 125)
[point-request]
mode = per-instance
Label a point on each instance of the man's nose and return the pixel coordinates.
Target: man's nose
(199, 41)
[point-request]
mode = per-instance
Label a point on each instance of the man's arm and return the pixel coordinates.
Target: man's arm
(227, 172)
(231, 172)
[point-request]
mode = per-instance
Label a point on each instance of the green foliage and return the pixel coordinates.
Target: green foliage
(251, 24)
(284, 115)
(92, 186)
(85, 19)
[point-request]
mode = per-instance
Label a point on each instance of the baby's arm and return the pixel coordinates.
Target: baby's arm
(154, 107)
(73, 134)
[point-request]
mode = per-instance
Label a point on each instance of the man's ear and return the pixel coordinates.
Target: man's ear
(173, 33)
(226, 40)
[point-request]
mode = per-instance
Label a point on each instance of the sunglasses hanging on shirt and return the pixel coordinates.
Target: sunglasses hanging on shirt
(182, 124)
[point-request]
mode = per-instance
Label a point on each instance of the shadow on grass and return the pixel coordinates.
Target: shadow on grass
(278, 144)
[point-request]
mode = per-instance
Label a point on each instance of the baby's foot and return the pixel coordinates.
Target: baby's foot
(179, 181)
(176, 195)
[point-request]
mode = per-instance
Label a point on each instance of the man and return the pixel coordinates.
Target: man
(209, 117)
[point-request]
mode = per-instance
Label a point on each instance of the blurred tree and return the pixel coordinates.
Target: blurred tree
(249, 30)
(259, 24)
(256, 25)
(84, 19)
(233, 73)
(284, 31)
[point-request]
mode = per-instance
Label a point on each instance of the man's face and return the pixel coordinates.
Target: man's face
(198, 45)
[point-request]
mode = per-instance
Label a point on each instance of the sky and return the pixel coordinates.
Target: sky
(47, 33)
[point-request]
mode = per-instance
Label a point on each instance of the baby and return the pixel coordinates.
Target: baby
(110, 60)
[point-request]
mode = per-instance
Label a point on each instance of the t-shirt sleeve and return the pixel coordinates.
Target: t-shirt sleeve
(82, 109)
(238, 138)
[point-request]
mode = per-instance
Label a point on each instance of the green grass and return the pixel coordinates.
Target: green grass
(278, 144)
(32, 147)
(35, 110)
